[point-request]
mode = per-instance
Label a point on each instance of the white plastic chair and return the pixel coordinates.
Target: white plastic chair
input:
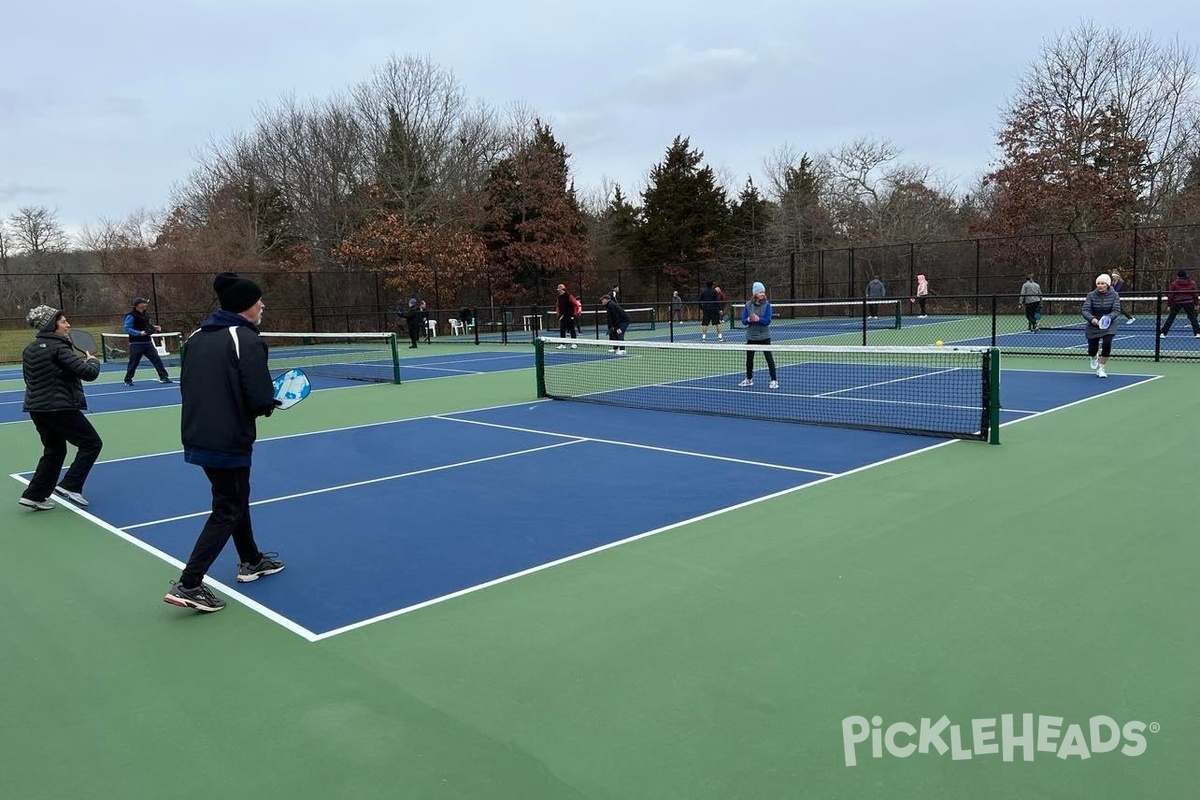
(432, 323)
(456, 327)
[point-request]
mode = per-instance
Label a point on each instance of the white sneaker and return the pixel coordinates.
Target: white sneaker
(720, 338)
(747, 382)
(574, 346)
(1131, 320)
(36, 505)
(74, 497)
(1162, 336)
(703, 336)
(1100, 373)
(1095, 363)
(612, 349)
(561, 347)
(774, 384)
(622, 352)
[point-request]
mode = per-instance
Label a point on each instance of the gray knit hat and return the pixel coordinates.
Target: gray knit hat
(43, 318)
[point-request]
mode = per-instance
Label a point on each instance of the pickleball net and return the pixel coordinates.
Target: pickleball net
(371, 357)
(949, 392)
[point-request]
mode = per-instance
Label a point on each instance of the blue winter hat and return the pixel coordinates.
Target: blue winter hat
(758, 287)
(412, 301)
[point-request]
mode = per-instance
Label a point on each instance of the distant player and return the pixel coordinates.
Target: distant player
(710, 310)
(139, 328)
(756, 316)
(618, 323)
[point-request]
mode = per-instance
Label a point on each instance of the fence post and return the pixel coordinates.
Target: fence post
(792, 272)
(1133, 268)
(850, 274)
(978, 284)
(58, 284)
(312, 303)
(154, 295)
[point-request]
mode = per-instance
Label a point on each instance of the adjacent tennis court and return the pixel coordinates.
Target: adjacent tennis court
(501, 596)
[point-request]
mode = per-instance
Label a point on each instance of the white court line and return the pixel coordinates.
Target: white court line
(636, 446)
(367, 482)
(233, 593)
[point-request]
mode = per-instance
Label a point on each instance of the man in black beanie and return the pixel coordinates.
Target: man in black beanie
(226, 387)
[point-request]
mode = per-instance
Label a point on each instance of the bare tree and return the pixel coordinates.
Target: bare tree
(37, 234)
(1089, 78)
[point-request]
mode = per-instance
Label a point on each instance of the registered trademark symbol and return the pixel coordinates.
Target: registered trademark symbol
(1155, 727)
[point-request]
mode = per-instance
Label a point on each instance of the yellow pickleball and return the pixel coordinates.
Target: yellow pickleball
(939, 342)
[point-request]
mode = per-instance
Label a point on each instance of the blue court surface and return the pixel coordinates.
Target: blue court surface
(378, 520)
(108, 393)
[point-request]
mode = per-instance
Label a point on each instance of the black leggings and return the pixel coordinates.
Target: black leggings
(566, 325)
(750, 361)
(1103, 346)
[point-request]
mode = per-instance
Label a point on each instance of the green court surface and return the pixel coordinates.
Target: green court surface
(1054, 575)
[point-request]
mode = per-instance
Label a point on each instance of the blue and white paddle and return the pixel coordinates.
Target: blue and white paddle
(1105, 322)
(291, 387)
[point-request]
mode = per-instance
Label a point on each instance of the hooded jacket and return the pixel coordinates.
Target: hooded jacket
(225, 385)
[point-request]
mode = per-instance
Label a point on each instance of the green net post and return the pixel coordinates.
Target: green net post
(994, 395)
(395, 358)
(539, 364)
(899, 316)
(653, 318)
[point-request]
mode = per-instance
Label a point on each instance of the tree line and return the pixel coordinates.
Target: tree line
(405, 175)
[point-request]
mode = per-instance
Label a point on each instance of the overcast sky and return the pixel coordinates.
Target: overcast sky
(105, 105)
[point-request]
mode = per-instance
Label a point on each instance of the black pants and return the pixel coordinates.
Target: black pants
(230, 517)
(414, 333)
(873, 309)
(921, 303)
(770, 361)
(147, 349)
(57, 429)
(1031, 310)
(1102, 345)
(1186, 308)
(617, 335)
(566, 325)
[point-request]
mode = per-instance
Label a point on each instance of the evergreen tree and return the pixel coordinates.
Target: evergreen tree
(685, 214)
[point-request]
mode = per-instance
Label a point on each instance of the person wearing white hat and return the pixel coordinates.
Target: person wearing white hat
(756, 316)
(1100, 310)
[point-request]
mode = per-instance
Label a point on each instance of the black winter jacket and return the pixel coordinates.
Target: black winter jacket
(52, 370)
(225, 386)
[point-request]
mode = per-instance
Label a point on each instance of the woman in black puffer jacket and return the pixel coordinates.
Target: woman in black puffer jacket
(55, 401)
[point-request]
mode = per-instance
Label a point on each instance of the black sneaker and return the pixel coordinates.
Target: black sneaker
(269, 565)
(129, 383)
(200, 598)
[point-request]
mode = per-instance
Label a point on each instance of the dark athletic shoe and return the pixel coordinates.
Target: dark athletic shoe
(200, 598)
(269, 565)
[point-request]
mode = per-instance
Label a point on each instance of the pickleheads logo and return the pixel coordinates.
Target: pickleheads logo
(1026, 735)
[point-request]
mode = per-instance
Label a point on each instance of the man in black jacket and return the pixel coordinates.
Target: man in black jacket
(226, 387)
(55, 401)
(618, 323)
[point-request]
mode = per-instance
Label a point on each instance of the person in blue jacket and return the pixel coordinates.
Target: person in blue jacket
(756, 317)
(139, 328)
